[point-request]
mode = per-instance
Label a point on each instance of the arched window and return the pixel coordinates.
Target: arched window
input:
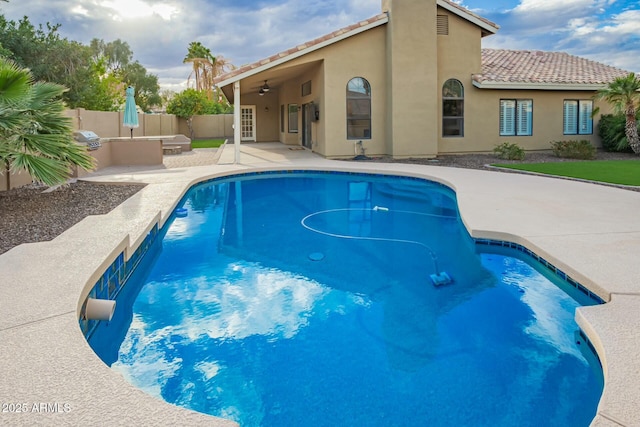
(358, 109)
(452, 108)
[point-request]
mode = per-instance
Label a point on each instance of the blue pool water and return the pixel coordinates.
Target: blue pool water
(307, 300)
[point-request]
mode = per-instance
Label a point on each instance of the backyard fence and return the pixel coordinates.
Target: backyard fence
(108, 124)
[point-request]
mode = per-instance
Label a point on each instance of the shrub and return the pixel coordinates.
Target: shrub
(509, 151)
(611, 130)
(574, 149)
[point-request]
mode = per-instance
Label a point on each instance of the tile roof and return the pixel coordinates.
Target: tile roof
(502, 67)
(380, 18)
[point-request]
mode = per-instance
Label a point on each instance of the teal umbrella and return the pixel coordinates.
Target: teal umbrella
(130, 111)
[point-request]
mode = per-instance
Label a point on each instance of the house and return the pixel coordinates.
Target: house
(414, 81)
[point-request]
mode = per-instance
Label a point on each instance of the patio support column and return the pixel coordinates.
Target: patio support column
(236, 121)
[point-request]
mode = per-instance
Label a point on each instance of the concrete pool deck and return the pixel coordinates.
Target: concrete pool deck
(50, 376)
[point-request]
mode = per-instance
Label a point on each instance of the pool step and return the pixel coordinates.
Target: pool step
(171, 149)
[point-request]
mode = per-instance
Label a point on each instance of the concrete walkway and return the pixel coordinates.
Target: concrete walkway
(589, 231)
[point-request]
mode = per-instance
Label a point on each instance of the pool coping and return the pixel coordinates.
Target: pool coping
(587, 231)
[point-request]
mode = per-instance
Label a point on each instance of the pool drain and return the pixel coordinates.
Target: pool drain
(316, 256)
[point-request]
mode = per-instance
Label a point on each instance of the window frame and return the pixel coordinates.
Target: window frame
(517, 123)
(282, 118)
(459, 118)
(292, 124)
(580, 114)
(350, 101)
(305, 89)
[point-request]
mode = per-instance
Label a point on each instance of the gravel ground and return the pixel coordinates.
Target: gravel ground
(28, 214)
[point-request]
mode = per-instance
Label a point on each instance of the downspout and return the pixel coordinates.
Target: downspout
(236, 121)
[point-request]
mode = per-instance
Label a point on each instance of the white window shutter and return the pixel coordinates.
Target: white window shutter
(507, 117)
(525, 116)
(586, 121)
(570, 117)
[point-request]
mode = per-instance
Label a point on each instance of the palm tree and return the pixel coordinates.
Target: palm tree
(202, 60)
(206, 68)
(624, 94)
(35, 134)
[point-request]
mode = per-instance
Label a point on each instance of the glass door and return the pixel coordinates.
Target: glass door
(307, 111)
(248, 123)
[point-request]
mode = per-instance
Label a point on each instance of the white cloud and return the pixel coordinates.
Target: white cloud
(131, 9)
(550, 6)
(159, 31)
(625, 23)
(79, 10)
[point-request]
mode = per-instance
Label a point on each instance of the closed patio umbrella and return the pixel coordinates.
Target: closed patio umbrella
(130, 112)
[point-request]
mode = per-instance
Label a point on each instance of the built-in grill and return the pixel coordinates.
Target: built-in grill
(87, 137)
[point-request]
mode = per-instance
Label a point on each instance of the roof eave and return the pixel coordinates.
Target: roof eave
(539, 86)
(302, 52)
(488, 29)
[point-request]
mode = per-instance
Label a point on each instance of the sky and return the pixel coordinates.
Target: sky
(245, 31)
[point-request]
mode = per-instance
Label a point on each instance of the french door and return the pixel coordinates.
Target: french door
(306, 125)
(248, 123)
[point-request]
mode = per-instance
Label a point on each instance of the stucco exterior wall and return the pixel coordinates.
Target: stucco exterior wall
(291, 93)
(459, 57)
(412, 61)
(288, 94)
(482, 120)
(266, 114)
(363, 55)
(136, 152)
(329, 70)
(125, 152)
(318, 127)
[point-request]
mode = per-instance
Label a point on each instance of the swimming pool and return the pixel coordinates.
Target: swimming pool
(307, 299)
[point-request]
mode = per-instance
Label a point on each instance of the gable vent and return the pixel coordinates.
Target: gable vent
(443, 25)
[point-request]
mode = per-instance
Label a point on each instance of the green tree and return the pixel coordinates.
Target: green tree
(116, 54)
(35, 134)
(611, 128)
(116, 58)
(105, 91)
(624, 94)
(96, 75)
(49, 57)
(147, 88)
(189, 103)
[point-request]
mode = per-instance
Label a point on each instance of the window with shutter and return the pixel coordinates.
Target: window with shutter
(577, 118)
(516, 117)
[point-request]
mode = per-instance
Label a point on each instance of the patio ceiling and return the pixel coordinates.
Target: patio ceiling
(275, 77)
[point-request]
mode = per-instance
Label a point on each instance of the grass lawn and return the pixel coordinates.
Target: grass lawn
(626, 172)
(206, 143)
